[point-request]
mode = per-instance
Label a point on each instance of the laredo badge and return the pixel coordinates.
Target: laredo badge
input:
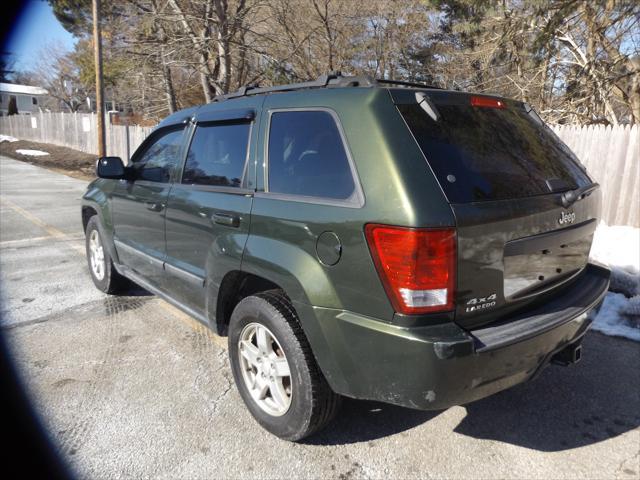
(481, 303)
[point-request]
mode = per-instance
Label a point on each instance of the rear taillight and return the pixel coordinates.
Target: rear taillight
(417, 266)
(487, 102)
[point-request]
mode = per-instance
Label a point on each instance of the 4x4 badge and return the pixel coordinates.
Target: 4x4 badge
(566, 217)
(480, 303)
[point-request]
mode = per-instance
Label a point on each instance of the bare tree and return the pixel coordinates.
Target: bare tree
(210, 31)
(56, 71)
(573, 60)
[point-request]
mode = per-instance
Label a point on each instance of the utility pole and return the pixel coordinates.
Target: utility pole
(97, 47)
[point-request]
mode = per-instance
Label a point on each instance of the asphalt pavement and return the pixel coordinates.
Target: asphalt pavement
(128, 386)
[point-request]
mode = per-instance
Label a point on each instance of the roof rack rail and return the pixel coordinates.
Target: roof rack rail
(406, 84)
(331, 79)
(321, 81)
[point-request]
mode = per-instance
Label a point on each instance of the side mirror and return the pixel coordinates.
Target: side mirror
(110, 167)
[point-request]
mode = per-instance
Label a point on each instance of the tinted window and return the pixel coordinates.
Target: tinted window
(307, 156)
(481, 153)
(217, 155)
(160, 158)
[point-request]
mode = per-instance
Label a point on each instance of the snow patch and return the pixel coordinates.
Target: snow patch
(31, 153)
(7, 138)
(612, 320)
(619, 247)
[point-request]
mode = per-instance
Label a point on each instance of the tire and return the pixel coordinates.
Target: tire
(105, 278)
(312, 403)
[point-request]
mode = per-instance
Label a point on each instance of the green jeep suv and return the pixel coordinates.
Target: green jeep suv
(355, 237)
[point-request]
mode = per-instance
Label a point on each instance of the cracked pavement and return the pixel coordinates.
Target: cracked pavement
(131, 387)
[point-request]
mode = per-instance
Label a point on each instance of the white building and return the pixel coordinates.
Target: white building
(26, 98)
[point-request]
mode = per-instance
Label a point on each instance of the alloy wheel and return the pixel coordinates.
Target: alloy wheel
(265, 369)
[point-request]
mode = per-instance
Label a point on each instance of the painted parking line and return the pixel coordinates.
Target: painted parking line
(50, 229)
(31, 240)
(23, 241)
(68, 239)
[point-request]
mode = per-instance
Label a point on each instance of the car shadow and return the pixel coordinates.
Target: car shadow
(568, 407)
(362, 421)
(564, 408)
(131, 297)
(134, 290)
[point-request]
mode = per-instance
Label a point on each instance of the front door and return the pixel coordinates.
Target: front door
(208, 211)
(139, 203)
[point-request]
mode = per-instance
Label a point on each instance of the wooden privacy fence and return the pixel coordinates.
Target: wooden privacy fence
(612, 158)
(611, 154)
(74, 130)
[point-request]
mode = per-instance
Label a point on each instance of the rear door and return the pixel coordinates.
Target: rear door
(208, 211)
(509, 180)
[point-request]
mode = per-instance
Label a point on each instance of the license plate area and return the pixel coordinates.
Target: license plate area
(541, 262)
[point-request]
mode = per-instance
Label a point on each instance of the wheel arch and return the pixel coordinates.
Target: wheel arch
(95, 203)
(235, 286)
(87, 212)
(269, 264)
(299, 273)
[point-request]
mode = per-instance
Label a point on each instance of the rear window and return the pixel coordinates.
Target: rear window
(482, 153)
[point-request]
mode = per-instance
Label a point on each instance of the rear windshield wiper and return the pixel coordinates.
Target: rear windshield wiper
(572, 196)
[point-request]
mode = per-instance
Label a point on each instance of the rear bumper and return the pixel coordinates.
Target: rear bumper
(437, 366)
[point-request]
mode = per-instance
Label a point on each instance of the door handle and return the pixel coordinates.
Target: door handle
(226, 219)
(155, 207)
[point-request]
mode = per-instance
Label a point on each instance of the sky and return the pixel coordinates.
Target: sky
(35, 27)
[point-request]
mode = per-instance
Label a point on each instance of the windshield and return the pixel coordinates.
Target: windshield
(481, 153)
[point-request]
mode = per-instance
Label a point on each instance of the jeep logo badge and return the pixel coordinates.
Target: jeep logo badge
(567, 217)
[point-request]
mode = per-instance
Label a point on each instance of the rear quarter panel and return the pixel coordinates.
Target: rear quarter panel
(398, 189)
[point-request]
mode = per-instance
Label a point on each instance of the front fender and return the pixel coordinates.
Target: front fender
(97, 197)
